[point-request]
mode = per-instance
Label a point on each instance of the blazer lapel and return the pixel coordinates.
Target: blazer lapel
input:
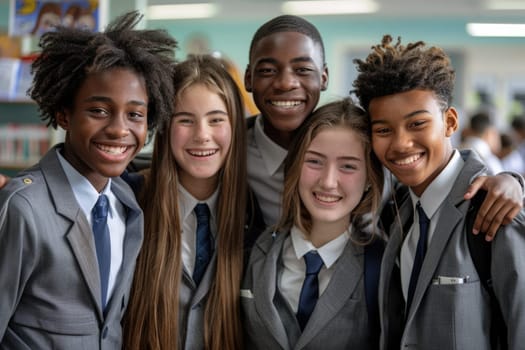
(79, 235)
(265, 284)
(346, 277)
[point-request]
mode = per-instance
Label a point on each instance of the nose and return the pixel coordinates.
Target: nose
(329, 177)
(287, 80)
(118, 126)
(202, 131)
(402, 140)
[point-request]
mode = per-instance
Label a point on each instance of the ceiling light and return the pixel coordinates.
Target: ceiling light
(496, 29)
(506, 5)
(182, 11)
(335, 7)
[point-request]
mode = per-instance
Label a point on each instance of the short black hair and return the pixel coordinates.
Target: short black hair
(480, 122)
(518, 123)
(390, 69)
(287, 23)
(68, 55)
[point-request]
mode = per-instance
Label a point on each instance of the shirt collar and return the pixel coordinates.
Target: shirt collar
(187, 202)
(85, 194)
(272, 154)
(329, 252)
(440, 187)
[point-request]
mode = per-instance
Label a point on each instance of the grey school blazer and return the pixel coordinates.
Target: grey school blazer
(192, 303)
(339, 320)
(49, 278)
(455, 314)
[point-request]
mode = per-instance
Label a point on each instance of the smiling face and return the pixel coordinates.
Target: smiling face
(411, 136)
(107, 125)
(333, 179)
(286, 75)
(200, 135)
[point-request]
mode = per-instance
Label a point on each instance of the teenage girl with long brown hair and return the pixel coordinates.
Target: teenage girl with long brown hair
(199, 157)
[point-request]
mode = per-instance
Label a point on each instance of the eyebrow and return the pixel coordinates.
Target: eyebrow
(353, 158)
(408, 116)
(109, 100)
(212, 112)
(293, 60)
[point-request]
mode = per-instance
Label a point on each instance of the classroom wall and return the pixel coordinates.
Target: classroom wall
(497, 62)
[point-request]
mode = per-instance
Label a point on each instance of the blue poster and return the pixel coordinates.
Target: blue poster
(35, 17)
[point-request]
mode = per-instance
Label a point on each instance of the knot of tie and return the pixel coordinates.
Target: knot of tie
(313, 263)
(202, 212)
(100, 210)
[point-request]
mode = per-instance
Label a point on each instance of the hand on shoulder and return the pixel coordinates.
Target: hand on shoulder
(3, 180)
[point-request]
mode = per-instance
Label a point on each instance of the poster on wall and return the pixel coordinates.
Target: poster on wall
(35, 17)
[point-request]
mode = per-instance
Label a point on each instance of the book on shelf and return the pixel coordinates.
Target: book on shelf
(23, 144)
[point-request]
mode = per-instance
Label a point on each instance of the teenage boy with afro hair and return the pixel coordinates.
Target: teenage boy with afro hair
(70, 228)
(430, 294)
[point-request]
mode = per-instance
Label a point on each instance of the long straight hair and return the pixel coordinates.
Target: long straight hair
(153, 314)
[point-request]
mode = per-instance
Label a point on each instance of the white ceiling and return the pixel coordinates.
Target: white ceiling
(245, 9)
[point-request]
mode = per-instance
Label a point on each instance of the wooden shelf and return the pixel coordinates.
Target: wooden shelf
(17, 100)
(17, 166)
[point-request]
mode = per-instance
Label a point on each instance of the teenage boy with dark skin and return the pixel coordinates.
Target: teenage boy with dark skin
(70, 227)
(286, 74)
(430, 294)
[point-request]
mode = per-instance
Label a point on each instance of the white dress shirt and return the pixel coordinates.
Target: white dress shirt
(87, 196)
(189, 224)
(295, 247)
(266, 171)
(431, 202)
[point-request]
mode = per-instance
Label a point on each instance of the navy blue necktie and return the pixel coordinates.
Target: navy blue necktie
(204, 249)
(310, 289)
(102, 243)
(421, 250)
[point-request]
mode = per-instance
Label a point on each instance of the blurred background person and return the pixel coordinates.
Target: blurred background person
(484, 138)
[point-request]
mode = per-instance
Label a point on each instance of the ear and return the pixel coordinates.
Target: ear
(62, 119)
(451, 121)
(248, 79)
(324, 78)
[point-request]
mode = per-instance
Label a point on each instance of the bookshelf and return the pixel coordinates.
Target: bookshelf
(24, 138)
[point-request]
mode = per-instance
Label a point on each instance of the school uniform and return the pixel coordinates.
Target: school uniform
(51, 289)
(269, 296)
(450, 308)
(193, 297)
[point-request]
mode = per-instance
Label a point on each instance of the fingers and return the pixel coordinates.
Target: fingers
(475, 186)
(498, 209)
(3, 180)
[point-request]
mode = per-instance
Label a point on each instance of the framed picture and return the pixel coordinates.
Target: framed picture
(35, 17)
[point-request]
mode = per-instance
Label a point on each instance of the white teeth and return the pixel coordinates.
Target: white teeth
(286, 104)
(326, 198)
(408, 160)
(204, 153)
(112, 150)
